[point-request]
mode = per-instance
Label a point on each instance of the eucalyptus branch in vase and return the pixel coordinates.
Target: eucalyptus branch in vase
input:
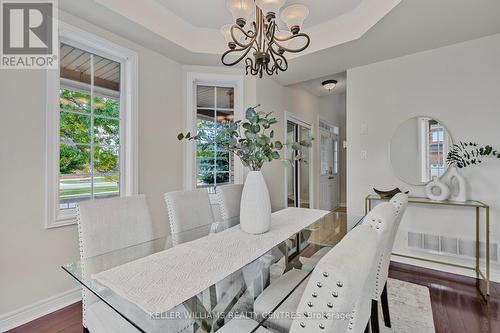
(252, 140)
(465, 154)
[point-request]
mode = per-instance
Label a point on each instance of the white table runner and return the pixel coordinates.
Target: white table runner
(161, 281)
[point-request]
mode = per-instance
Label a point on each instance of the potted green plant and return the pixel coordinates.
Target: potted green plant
(253, 141)
(463, 155)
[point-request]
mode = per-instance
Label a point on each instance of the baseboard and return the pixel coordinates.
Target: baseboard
(494, 274)
(342, 204)
(41, 308)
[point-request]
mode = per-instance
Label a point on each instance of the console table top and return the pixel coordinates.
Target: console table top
(421, 200)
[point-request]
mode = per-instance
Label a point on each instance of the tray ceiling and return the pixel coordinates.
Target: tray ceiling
(213, 13)
(195, 25)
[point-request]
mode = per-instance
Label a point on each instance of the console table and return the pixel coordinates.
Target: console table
(477, 205)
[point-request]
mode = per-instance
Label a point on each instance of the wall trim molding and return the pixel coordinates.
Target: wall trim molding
(39, 309)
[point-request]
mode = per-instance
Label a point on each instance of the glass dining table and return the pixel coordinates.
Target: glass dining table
(232, 297)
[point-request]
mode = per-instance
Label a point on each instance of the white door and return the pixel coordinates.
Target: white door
(329, 156)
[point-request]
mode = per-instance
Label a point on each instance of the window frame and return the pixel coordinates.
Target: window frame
(128, 120)
(209, 79)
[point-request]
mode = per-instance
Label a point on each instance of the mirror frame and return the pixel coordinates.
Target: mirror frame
(392, 137)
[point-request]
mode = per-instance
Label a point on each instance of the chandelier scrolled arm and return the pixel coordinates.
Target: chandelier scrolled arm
(278, 59)
(251, 68)
(248, 35)
(244, 50)
(292, 37)
(263, 38)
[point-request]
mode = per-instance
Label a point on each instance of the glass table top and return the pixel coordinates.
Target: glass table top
(229, 298)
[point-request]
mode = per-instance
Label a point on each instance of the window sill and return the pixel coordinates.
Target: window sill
(62, 222)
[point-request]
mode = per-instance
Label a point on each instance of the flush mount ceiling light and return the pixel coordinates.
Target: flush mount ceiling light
(329, 84)
(262, 35)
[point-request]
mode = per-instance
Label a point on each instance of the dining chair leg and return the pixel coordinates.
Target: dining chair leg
(367, 329)
(385, 307)
(374, 317)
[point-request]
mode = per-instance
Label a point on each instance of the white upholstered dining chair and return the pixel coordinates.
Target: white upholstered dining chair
(388, 233)
(190, 215)
(108, 225)
(335, 298)
(229, 197)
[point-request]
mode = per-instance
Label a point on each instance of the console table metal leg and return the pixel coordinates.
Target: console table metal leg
(477, 242)
(488, 251)
(480, 274)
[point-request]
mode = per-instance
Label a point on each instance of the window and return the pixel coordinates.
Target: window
(91, 130)
(437, 153)
(89, 127)
(213, 102)
(215, 111)
(433, 145)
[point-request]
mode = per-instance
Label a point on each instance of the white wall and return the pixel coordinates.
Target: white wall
(30, 255)
(458, 85)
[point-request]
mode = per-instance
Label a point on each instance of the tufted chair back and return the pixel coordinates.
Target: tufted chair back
(400, 201)
(190, 215)
(337, 296)
(107, 225)
(230, 199)
(383, 219)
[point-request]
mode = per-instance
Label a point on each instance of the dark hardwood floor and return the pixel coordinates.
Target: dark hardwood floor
(457, 305)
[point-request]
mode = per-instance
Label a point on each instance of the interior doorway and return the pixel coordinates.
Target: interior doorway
(329, 148)
(299, 178)
(299, 174)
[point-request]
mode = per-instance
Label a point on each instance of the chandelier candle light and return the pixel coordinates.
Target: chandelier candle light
(263, 35)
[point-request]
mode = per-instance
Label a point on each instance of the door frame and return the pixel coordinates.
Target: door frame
(310, 159)
(334, 124)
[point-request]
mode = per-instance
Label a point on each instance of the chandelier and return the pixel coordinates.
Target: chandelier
(263, 36)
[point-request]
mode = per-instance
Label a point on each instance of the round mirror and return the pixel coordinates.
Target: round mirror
(418, 150)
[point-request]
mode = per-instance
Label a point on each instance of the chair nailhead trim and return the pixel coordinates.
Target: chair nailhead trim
(310, 304)
(302, 324)
(314, 295)
(340, 284)
(321, 326)
(319, 284)
(325, 274)
(335, 294)
(329, 304)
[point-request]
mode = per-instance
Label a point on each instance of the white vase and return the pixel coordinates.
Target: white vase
(458, 185)
(255, 207)
(437, 190)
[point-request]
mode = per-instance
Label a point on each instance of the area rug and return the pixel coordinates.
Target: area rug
(410, 308)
